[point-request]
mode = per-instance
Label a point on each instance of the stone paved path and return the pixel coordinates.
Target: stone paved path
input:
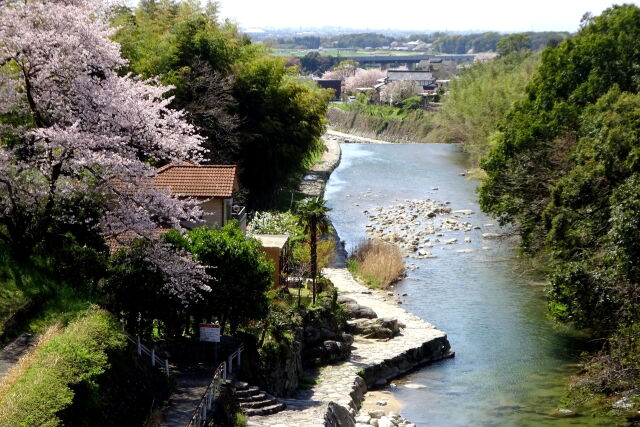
(315, 180)
(191, 383)
(10, 354)
(340, 383)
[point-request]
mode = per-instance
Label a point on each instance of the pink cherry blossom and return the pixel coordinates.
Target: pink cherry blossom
(90, 131)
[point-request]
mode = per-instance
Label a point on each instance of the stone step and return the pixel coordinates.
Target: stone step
(258, 403)
(253, 398)
(240, 385)
(267, 410)
(249, 391)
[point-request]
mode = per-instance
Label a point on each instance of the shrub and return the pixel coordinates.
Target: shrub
(377, 263)
(44, 385)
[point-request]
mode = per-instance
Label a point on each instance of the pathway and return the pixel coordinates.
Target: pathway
(315, 179)
(339, 390)
(10, 354)
(191, 383)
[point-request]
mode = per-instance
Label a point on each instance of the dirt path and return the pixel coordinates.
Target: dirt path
(10, 354)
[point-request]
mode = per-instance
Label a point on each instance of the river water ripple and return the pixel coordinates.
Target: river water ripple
(511, 364)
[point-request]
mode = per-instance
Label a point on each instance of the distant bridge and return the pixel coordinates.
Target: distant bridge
(410, 60)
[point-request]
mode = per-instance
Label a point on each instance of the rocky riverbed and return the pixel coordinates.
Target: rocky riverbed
(418, 227)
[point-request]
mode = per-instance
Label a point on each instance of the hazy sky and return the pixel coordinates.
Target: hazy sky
(452, 15)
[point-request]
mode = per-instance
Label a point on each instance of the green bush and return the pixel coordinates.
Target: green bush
(79, 354)
(479, 99)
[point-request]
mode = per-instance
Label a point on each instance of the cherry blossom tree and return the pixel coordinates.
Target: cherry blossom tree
(363, 79)
(399, 90)
(73, 131)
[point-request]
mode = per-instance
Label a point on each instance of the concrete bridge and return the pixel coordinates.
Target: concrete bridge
(387, 61)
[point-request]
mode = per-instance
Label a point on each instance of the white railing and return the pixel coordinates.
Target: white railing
(222, 372)
(200, 415)
(162, 364)
(235, 355)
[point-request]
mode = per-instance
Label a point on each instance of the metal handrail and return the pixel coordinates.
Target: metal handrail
(143, 349)
(199, 417)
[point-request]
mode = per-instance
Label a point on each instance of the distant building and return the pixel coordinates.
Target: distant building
(423, 78)
(336, 85)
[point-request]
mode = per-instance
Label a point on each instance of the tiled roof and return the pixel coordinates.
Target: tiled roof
(191, 180)
(409, 75)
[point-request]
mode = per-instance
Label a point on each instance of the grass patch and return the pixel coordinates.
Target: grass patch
(378, 264)
(42, 385)
(241, 419)
(21, 284)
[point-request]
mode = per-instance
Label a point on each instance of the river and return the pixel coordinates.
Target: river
(512, 365)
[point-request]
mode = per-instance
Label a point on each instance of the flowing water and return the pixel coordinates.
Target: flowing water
(511, 365)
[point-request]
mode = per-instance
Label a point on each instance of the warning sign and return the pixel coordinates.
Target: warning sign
(209, 332)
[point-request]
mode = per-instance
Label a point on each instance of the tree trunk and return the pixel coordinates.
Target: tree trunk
(314, 260)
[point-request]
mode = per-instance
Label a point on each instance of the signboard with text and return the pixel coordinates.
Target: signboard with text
(209, 332)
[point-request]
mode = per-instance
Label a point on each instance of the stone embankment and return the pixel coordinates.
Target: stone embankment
(340, 388)
(315, 179)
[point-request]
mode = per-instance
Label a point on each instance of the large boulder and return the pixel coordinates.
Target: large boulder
(360, 311)
(382, 328)
(329, 352)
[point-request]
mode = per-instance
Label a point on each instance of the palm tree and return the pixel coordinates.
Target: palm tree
(312, 215)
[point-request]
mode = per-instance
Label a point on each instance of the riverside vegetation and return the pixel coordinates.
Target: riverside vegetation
(378, 264)
(559, 153)
(80, 253)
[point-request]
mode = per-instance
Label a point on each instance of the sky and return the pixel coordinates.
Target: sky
(444, 15)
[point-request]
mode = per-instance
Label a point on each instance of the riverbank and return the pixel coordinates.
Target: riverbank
(385, 123)
(340, 388)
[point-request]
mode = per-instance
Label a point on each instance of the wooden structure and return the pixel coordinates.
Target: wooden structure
(275, 246)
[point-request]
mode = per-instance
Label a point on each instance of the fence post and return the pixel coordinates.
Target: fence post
(230, 365)
(153, 357)
(166, 366)
(239, 353)
(224, 371)
(139, 345)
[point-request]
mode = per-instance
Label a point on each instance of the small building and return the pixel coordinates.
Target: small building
(212, 185)
(336, 85)
(423, 78)
(275, 246)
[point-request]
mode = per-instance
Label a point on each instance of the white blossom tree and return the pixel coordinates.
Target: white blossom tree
(73, 131)
(399, 90)
(363, 79)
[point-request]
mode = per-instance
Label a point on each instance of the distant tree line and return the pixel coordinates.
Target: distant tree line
(442, 42)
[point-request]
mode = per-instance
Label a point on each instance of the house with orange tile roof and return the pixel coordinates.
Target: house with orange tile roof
(213, 185)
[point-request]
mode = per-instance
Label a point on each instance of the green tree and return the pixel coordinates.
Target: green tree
(565, 169)
(513, 43)
(242, 274)
(313, 217)
(252, 109)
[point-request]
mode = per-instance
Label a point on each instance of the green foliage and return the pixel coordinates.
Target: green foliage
(134, 290)
(513, 43)
(77, 355)
(312, 216)
(270, 121)
(282, 120)
(241, 420)
(479, 99)
(241, 271)
(267, 222)
(564, 168)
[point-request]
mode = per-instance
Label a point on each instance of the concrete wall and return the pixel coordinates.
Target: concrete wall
(214, 207)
